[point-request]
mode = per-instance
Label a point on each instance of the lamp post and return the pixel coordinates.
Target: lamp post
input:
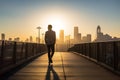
(38, 33)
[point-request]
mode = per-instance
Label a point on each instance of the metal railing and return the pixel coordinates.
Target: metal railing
(107, 53)
(12, 53)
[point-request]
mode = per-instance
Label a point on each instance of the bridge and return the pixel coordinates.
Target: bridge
(86, 61)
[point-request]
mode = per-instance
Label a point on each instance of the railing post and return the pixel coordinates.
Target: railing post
(40, 48)
(90, 50)
(104, 52)
(14, 53)
(85, 49)
(21, 56)
(2, 51)
(81, 48)
(115, 51)
(33, 49)
(98, 52)
(26, 50)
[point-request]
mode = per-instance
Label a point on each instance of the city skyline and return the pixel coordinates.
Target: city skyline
(63, 39)
(20, 18)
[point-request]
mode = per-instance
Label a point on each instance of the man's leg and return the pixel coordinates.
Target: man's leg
(49, 57)
(53, 49)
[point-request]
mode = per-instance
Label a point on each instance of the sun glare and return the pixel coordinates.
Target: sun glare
(57, 22)
(57, 19)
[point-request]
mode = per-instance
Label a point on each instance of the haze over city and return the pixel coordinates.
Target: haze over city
(20, 18)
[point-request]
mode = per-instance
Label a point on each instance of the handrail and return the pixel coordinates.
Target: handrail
(12, 53)
(107, 53)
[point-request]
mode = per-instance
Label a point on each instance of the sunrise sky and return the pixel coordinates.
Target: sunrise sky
(19, 18)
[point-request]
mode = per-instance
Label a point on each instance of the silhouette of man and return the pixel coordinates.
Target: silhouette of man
(50, 39)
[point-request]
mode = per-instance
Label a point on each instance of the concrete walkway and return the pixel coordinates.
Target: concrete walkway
(66, 66)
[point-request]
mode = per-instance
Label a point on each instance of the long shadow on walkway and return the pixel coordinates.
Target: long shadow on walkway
(48, 75)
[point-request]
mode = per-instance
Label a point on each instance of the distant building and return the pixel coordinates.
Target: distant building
(79, 38)
(101, 37)
(43, 38)
(37, 39)
(2, 36)
(27, 40)
(62, 43)
(17, 39)
(116, 39)
(88, 37)
(10, 39)
(84, 39)
(61, 36)
(31, 39)
(75, 34)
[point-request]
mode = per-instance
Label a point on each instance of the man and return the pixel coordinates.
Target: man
(50, 39)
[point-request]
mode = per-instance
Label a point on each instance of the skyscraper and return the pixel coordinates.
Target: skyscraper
(99, 33)
(88, 37)
(31, 39)
(2, 36)
(61, 36)
(79, 37)
(75, 34)
(102, 37)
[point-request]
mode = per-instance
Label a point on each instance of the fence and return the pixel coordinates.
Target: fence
(12, 53)
(107, 53)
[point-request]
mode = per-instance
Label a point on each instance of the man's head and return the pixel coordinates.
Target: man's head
(49, 27)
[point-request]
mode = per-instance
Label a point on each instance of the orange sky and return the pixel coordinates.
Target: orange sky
(20, 18)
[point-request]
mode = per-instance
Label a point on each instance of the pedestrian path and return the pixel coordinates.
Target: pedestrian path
(66, 66)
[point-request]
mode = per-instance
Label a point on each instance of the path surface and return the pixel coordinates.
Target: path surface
(66, 66)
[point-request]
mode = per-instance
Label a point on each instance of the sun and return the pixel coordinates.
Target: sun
(56, 22)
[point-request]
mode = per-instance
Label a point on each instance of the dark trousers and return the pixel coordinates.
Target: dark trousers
(50, 51)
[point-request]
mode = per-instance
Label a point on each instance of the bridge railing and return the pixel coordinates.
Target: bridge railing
(105, 53)
(12, 53)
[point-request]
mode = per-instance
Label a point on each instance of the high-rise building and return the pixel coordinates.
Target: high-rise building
(75, 34)
(79, 37)
(31, 39)
(88, 37)
(2, 36)
(84, 39)
(61, 36)
(99, 33)
(37, 39)
(102, 37)
(42, 38)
